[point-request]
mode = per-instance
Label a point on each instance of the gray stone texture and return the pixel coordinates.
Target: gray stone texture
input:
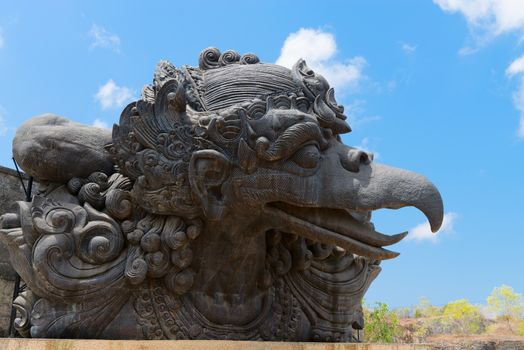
(235, 212)
(55, 149)
(10, 191)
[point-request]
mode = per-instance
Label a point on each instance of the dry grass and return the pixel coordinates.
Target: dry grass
(498, 334)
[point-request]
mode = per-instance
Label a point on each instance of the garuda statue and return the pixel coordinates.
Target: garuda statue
(223, 206)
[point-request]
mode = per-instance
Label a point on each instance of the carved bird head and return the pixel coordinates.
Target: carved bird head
(258, 145)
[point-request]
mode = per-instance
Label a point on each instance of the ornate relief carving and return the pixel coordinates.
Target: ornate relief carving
(234, 212)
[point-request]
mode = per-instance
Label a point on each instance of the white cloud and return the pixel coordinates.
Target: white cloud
(103, 38)
(356, 114)
(111, 95)
(2, 41)
(518, 102)
(516, 67)
(488, 18)
(409, 49)
(98, 123)
(520, 131)
(319, 49)
(3, 126)
(466, 50)
(422, 232)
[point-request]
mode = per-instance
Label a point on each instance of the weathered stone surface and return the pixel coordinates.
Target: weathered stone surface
(236, 213)
(10, 191)
(6, 301)
(53, 148)
(48, 344)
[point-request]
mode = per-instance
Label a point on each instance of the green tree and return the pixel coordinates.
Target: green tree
(506, 303)
(462, 317)
(425, 309)
(403, 312)
(381, 324)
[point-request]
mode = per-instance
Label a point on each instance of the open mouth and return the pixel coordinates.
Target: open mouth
(351, 231)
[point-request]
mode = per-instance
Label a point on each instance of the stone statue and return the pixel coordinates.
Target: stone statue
(223, 206)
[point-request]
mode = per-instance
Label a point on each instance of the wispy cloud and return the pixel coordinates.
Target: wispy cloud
(357, 115)
(319, 49)
(518, 102)
(3, 126)
(2, 40)
(407, 48)
(487, 19)
(111, 95)
(516, 68)
(103, 38)
(467, 50)
(422, 232)
(99, 123)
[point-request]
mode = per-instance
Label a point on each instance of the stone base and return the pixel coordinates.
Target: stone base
(66, 344)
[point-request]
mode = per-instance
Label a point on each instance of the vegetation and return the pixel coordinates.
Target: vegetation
(425, 309)
(381, 324)
(520, 331)
(506, 303)
(459, 317)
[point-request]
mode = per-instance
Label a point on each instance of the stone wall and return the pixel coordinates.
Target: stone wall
(10, 191)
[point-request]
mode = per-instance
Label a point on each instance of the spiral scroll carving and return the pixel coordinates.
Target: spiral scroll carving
(229, 57)
(100, 241)
(249, 58)
(24, 303)
(209, 58)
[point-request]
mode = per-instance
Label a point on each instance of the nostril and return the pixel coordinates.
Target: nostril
(354, 158)
(366, 157)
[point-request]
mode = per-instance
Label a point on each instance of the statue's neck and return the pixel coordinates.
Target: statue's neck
(228, 265)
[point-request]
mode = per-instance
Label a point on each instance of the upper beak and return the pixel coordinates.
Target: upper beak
(378, 186)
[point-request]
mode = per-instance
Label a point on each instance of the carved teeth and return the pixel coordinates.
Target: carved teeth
(343, 224)
(354, 245)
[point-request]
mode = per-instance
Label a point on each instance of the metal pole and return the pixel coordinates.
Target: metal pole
(20, 176)
(16, 289)
(11, 332)
(29, 190)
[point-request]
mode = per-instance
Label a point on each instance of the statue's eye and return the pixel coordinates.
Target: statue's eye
(307, 157)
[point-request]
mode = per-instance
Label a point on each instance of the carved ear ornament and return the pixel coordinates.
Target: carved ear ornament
(328, 117)
(316, 88)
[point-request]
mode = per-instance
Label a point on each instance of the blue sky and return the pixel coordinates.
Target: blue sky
(434, 87)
